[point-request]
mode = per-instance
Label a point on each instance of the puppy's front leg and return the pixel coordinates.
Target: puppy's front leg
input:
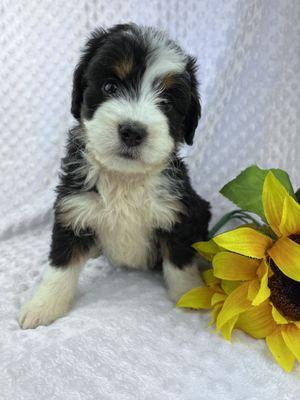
(54, 296)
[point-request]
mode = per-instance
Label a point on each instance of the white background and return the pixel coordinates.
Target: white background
(123, 338)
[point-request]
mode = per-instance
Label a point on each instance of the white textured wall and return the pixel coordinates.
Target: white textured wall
(249, 59)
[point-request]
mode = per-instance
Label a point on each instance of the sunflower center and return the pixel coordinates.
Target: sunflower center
(285, 293)
(295, 238)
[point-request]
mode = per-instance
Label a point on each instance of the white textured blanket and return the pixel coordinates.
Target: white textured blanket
(123, 338)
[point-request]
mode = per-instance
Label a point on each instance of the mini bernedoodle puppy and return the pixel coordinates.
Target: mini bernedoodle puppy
(123, 190)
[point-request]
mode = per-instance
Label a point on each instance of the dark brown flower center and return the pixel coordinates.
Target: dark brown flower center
(285, 292)
(295, 238)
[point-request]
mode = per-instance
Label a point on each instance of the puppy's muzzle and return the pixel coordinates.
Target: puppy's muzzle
(132, 133)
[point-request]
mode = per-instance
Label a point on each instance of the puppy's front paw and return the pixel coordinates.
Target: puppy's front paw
(35, 313)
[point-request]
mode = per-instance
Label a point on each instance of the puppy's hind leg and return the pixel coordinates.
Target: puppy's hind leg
(55, 294)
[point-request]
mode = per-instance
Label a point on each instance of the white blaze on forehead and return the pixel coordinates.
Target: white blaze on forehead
(164, 57)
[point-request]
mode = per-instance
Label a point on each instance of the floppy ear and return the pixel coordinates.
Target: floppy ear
(79, 80)
(194, 111)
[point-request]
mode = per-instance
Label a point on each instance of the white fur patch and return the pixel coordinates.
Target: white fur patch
(52, 299)
(103, 140)
(124, 214)
(180, 281)
(165, 57)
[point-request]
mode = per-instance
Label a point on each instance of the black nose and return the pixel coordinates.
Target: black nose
(132, 134)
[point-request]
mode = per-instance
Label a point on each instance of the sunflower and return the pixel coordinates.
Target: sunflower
(280, 249)
(238, 296)
(254, 283)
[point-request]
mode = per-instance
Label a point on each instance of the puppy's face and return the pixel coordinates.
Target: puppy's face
(136, 97)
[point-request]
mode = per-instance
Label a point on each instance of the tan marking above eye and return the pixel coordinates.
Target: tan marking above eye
(168, 81)
(123, 68)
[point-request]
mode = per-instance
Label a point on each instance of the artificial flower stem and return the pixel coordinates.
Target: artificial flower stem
(235, 214)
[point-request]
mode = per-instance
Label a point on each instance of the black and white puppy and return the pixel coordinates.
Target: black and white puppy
(123, 191)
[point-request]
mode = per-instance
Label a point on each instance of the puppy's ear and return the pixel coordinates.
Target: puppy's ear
(194, 111)
(79, 81)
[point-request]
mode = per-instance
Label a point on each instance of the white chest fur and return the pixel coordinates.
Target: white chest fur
(124, 215)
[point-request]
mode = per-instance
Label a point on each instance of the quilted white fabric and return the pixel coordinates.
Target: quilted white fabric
(123, 338)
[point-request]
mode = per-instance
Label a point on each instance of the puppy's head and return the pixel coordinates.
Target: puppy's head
(135, 94)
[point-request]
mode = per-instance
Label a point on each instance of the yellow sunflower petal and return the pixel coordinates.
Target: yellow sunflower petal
(279, 318)
(209, 278)
(218, 298)
(273, 198)
(234, 267)
(263, 269)
(253, 289)
(229, 286)
(227, 328)
(235, 304)
(280, 350)
(286, 255)
(197, 298)
(297, 323)
(206, 249)
(215, 312)
(290, 221)
(263, 292)
(257, 321)
(291, 336)
(245, 241)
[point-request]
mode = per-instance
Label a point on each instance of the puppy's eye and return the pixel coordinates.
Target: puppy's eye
(110, 88)
(165, 105)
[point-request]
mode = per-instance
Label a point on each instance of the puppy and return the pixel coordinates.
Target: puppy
(123, 190)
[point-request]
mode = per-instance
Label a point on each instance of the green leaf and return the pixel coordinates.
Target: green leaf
(283, 178)
(246, 189)
(297, 194)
